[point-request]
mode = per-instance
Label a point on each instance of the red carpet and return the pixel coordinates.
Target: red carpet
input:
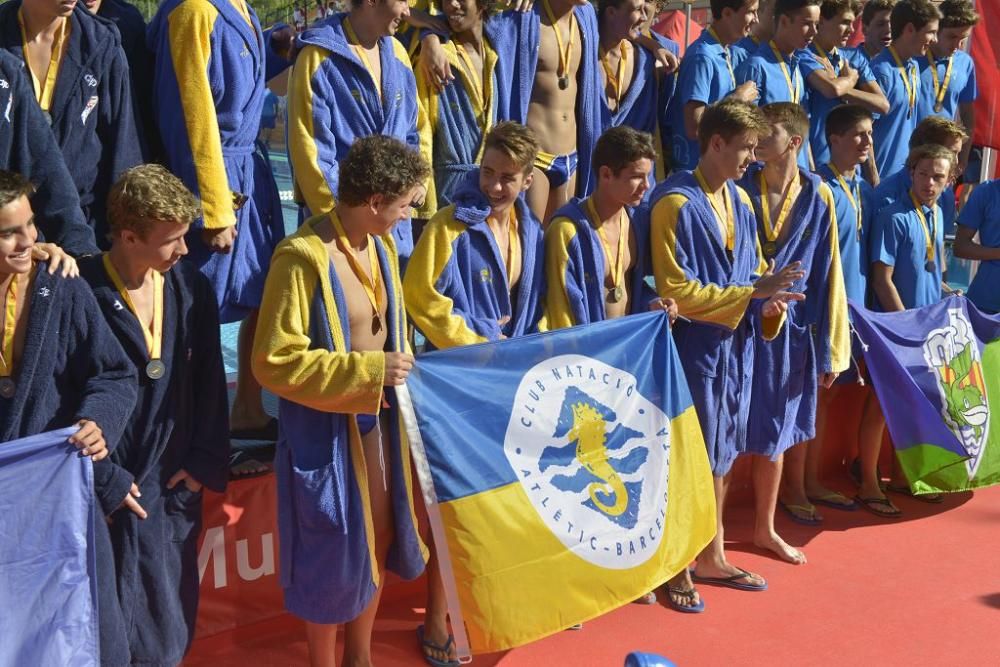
(920, 591)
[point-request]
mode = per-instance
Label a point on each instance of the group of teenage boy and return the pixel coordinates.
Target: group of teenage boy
(475, 175)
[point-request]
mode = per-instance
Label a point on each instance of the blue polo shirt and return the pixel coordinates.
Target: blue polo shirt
(894, 187)
(858, 54)
(892, 130)
(764, 69)
(853, 241)
(961, 86)
(898, 240)
(819, 105)
(742, 49)
(703, 77)
(982, 213)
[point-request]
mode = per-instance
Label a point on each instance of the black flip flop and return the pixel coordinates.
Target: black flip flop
(731, 582)
(873, 504)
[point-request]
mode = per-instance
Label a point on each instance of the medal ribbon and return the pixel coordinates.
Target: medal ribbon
(853, 195)
(362, 54)
(725, 49)
(154, 338)
(9, 326)
(48, 85)
(940, 88)
(616, 269)
(513, 243)
(370, 284)
(793, 85)
(615, 79)
(786, 206)
(827, 58)
(929, 229)
(910, 83)
(727, 220)
(564, 53)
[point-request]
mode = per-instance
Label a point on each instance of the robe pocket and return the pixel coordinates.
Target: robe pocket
(799, 340)
(318, 505)
(183, 510)
(700, 347)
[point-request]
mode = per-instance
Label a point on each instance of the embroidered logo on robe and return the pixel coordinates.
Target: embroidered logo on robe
(585, 441)
(484, 275)
(90, 80)
(91, 105)
(10, 103)
(952, 354)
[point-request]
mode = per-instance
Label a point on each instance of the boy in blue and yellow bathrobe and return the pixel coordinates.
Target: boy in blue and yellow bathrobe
(476, 274)
(594, 273)
(460, 116)
(629, 71)
(331, 345)
(337, 94)
(796, 221)
(86, 95)
(706, 256)
(211, 63)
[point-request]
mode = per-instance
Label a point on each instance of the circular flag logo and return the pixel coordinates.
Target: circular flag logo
(592, 454)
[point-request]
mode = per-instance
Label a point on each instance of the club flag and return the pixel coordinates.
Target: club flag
(936, 372)
(47, 557)
(570, 470)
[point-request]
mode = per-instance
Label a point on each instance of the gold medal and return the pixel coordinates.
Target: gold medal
(155, 369)
(376, 324)
(616, 263)
(7, 388)
(615, 294)
(770, 248)
(563, 82)
(565, 53)
(370, 285)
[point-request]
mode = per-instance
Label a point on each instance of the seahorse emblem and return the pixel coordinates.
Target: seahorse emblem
(589, 432)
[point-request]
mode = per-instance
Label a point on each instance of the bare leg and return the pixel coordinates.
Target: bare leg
(712, 561)
(537, 195)
(766, 478)
(793, 484)
(814, 452)
(358, 633)
(869, 445)
(322, 640)
(436, 618)
(248, 405)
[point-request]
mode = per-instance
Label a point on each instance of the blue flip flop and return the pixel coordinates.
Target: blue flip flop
(689, 594)
(731, 582)
(445, 649)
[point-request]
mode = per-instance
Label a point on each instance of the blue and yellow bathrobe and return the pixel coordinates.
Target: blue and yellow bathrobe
(515, 36)
(713, 288)
(456, 283)
(332, 101)
(457, 124)
(816, 338)
(575, 266)
(208, 84)
(302, 353)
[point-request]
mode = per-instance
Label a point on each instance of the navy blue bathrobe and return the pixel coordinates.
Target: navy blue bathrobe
(181, 421)
(28, 147)
(73, 368)
(91, 112)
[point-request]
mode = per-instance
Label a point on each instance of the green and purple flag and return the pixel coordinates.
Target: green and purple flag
(936, 371)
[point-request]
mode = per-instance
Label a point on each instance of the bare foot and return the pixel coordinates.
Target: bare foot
(784, 551)
(438, 645)
(248, 468)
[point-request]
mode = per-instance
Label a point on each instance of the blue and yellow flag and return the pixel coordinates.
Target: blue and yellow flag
(570, 470)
